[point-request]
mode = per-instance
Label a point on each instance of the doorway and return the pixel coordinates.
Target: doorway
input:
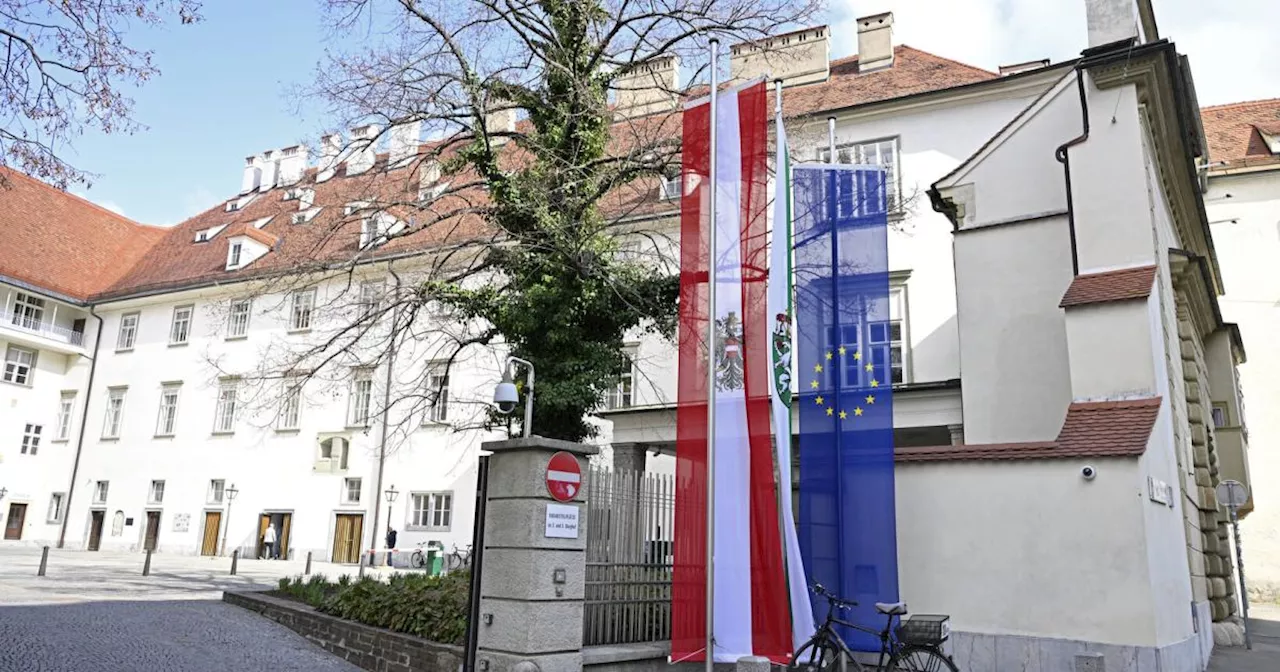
(13, 524)
(212, 524)
(348, 530)
(152, 535)
(96, 520)
(282, 521)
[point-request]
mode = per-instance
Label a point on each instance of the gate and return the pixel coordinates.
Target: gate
(630, 516)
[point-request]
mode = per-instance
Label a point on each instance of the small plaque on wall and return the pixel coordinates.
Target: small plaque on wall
(1159, 491)
(182, 522)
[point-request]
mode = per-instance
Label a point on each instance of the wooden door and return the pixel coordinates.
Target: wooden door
(283, 538)
(263, 521)
(153, 531)
(96, 521)
(347, 532)
(212, 525)
(13, 524)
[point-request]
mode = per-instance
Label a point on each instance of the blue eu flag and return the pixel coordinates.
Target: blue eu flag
(846, 369)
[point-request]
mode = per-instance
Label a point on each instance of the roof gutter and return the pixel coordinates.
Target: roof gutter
(84, 421)
(56, 296)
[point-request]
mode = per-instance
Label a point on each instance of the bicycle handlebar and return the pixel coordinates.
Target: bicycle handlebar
(834, 599)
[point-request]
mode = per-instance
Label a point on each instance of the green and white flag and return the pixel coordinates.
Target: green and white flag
(780, 306)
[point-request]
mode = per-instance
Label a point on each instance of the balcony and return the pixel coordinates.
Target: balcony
(41, 333)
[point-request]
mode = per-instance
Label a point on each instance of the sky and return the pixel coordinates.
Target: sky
(225, 89)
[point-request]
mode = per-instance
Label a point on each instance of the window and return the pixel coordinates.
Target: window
(216, 487)
(619, 396)
(238, 318)
(361, 397)
(886, 358)
(292, 194)
(333, 454)
(100, 492)
(180, 330)
(128, 332)
(368, 231)
(56, 501)
(233, 258)
(437, 392)
(370, 297)
(350, 491)
(291, 404)
(31, 439)
(168, 419)
(28, 311)
(18, 364)
(432, 511)
(156, 495)
(875, 153)
(224, 414)
(669, 189)
(66, 405)
(115, 412)
(303, 303)
(1219, 412)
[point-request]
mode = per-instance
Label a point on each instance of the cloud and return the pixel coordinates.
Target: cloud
(1230, 45)
(109, 205)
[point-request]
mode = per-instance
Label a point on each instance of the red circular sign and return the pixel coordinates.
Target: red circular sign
(564, 477)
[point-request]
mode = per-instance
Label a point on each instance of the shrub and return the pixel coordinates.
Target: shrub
(434, 608)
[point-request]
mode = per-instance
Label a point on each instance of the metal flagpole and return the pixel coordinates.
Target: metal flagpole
(712, 277)
(831, 139)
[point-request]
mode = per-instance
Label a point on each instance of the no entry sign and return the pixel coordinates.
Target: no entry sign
(564, 477)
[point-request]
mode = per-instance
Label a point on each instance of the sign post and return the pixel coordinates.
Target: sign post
(1233, 495)
(564, 477)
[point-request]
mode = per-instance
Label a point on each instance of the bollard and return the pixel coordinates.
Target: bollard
(308, 569)
(235, 556)
(44, 561)
(360, 562)
(752, 664)
(146, 566)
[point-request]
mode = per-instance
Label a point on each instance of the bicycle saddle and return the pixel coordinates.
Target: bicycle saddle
(891, 608)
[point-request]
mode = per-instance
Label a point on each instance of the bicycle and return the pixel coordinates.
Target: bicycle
(458, 559)
(418, 559)
(909, 648)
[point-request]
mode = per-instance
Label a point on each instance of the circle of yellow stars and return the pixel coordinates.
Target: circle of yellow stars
(820, 400)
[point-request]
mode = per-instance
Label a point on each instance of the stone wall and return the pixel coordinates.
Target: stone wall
(364, 646)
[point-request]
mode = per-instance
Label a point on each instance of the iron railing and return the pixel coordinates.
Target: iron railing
(40, 327)
(630, 516)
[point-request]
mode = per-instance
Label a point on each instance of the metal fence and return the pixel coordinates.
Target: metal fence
(630, 516)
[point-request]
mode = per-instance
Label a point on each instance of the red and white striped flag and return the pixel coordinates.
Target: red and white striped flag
(751, 613)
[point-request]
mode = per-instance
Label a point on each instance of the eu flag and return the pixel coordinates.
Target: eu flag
(845, 371)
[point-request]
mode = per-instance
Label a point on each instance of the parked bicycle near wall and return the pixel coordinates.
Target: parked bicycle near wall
(458, 559)
(913, 646)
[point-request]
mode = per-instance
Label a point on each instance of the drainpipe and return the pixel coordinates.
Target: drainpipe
(1064, 158)
(84, 421)
(386, 402)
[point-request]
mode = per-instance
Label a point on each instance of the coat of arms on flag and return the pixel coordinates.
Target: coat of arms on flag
(729, 367)
(782, 360)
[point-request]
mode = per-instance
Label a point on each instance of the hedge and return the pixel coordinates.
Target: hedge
(433, 608)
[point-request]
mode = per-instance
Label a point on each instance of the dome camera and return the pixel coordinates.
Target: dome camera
(1088, 473)
(505, 396)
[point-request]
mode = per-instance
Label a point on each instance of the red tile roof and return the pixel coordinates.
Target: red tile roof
(1121, 285)
(1232, 132)
(63, 243)
(1091, 429)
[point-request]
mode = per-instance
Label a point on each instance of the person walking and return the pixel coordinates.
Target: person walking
(269, 541)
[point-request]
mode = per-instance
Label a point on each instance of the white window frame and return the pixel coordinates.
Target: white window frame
(290, 404)
(113, 418)
(870, 153)
(155, 495)
(217, 490)
(19, 365)
(57, 508)
(670, 188)
(181, 323)
(431, 511)
(28, 311)
(101, 489)
(238, 315)
(332, 463)
(369, 298)
(31, 434)
(226, 408)
(347, 491)
(622, 394)
(167, 416)
(234, 254)
(66, 411)
(360, 397)
(302, 308)
(127, 336)
(437, 392)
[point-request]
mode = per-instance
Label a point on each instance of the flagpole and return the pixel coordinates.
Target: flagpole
(712, 277)
(780, 237)
(831, 139)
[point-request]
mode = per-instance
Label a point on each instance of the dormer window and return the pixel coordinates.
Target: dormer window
(202, 236)
(669, 189)
(205, 235)
(304, 216)
(234, 259)
(352, 208)
(232, 206)
(1271, 135)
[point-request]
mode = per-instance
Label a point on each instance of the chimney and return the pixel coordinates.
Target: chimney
(252, 174)
(293, 163)
(330, 154)
(1006, 70)
(270, 169)
(799, 57)
(404, 142)
(363, 152)
(650, 87)
(1115, 20)
(875, 42)
(500, 121)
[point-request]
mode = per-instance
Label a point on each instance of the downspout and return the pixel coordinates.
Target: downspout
(1064, 158)
(386, 402)
(84, 421)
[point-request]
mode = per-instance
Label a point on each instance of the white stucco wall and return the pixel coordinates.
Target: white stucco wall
(1110, 350)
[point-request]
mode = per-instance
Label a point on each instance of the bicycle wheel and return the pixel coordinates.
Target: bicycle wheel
(417, 560)
(921, 659)
(823, 655)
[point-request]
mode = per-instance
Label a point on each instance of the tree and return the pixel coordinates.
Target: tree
(66, 62)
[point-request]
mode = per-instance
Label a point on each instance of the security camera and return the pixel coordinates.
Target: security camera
(1088, 473)
(505, 396)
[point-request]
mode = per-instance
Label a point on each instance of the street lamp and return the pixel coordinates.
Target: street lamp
(231, 493)
(391, 495)
(506, 396)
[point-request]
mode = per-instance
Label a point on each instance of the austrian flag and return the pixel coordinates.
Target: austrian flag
(750, 611)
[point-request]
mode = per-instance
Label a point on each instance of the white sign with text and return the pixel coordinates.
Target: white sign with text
(562, 521)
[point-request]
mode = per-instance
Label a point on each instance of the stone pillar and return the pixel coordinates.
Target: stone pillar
(532, 585)
(630, 456)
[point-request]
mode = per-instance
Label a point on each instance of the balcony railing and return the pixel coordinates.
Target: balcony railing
(23, 323)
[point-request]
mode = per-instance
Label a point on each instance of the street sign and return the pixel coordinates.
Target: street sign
(564, 477)
(1232, 494)
(562, 521)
